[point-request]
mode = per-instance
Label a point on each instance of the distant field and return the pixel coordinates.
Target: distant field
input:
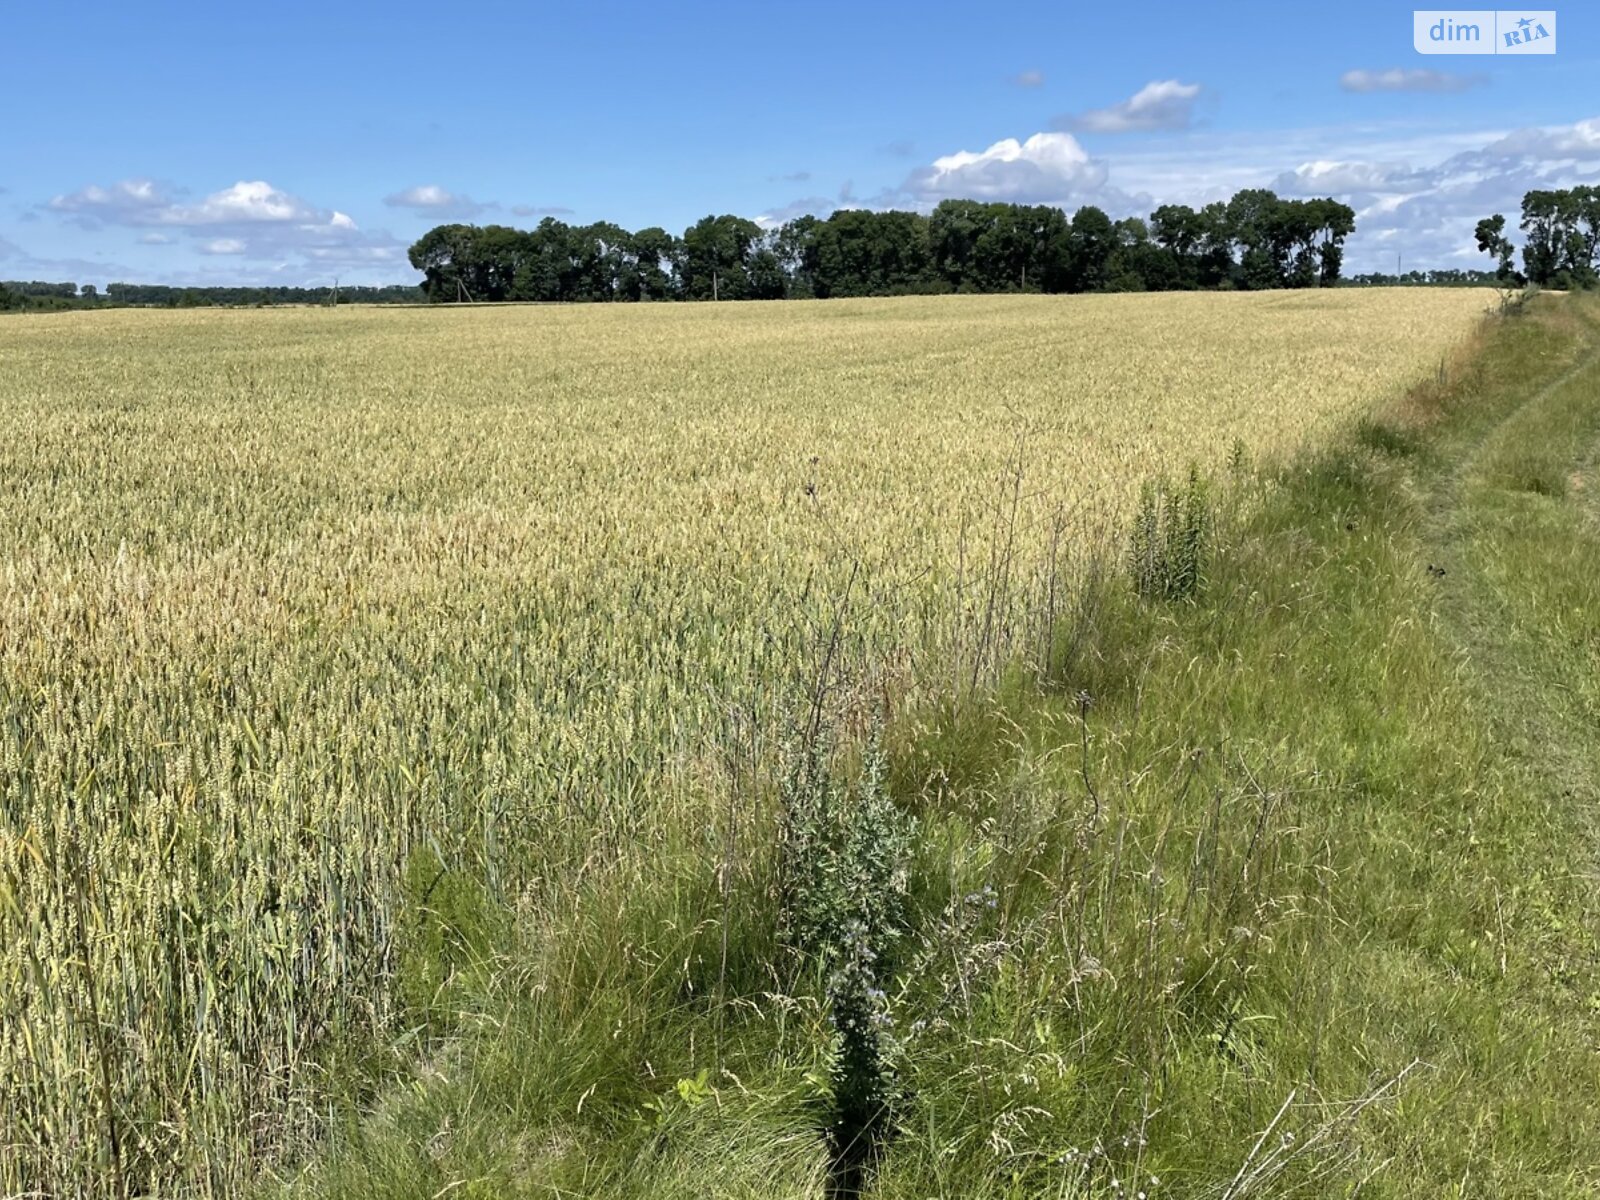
(286, 595)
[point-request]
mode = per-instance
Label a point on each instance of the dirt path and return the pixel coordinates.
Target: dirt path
(1514, 524)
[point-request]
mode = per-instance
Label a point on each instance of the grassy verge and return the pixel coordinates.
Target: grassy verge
(1286, 888)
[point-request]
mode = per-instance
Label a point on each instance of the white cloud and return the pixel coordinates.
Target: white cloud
(144, 202)
(1578, 141)
(534, 210)
(251, 220)
(128, 202)
(814, 206)
(1324, 178)
(428, 195)
(1427, 213)
(1028, 79)
(1416, 189)
(244, 202)
(1413, 79)
(1164, 104)
(1048, 168)
(436, 201)
(356, 255)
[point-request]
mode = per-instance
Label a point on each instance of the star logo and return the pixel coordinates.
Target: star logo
(1525, 22)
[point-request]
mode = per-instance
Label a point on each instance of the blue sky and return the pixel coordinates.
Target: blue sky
(296, 142)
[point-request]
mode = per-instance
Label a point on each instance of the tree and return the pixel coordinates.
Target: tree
(603, 258)
(1561, 238)
(441, 255)
(1255, 220)
(715, 258)
(1492, 240)
(1091, 243)
(767, 278)
(1586, 219)
(796, 247)
(964, 245)
(1543, 250)
(953, 233)
(1179, 230)
(1215, 267)
(1137, 264)
(860, 253)
(655, 254)
(1338, 221)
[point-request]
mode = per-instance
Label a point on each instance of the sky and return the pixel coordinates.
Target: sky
(300, 143)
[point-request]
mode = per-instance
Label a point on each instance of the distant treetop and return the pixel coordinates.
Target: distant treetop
(1256, 240)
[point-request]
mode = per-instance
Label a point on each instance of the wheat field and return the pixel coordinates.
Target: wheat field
(286, 595)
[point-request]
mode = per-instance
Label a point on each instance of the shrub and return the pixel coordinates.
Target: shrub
(1169, 540)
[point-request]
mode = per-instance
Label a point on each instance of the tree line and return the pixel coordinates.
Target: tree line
(1560, 240)
(1446, 277)
(1256, 240)
(39, 296)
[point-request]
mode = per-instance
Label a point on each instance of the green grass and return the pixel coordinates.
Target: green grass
(1285, 889)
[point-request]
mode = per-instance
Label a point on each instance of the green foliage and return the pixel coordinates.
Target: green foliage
(1256, 241)
(1169, 541)
(844, 859)
(1561, 239)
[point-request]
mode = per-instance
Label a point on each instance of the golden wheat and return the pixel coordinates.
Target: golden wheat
(287, 593)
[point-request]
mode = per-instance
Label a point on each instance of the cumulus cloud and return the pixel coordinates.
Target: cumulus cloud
(144, 202)
(251, 219)
(130, 202)
(1323, 177)
(245, 203)
(1428, 212)
(1162, 105)
(1028, 79)
(427, 195)
(1048, 168)
(1579, 142)
(1416, 79)
(433, 200)
(814, 206)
